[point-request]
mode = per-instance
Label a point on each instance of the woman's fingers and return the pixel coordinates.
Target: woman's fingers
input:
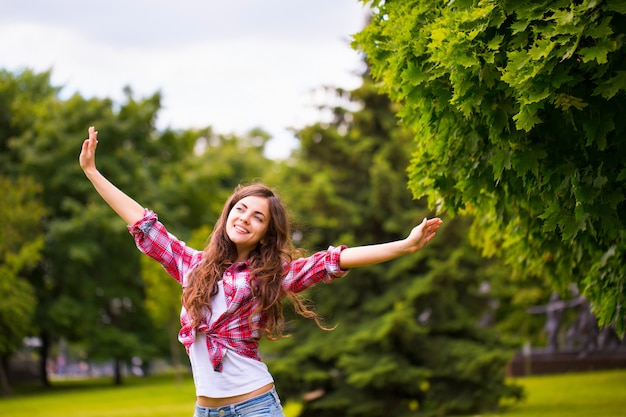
(87, 154)
(93, 134)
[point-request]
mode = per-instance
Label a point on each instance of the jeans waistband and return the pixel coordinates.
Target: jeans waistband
(270, 395)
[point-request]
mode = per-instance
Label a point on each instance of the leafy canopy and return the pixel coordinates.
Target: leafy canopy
(517, 111)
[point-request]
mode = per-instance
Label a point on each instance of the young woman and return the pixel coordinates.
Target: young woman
(232, 290)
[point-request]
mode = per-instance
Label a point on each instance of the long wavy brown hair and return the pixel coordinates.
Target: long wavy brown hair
(267, 264)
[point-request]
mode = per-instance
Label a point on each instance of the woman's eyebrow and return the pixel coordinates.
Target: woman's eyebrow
(256, 212)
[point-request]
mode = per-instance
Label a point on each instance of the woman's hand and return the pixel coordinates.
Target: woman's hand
(127, 208)
(87, 158)
(422, 234)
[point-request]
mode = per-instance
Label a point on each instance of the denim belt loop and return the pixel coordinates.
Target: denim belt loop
(275, 395)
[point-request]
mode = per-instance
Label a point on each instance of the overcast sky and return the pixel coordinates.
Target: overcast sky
(233, 65)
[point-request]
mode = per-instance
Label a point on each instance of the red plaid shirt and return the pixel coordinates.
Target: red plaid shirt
(232, 330)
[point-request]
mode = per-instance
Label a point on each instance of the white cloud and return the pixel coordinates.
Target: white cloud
(229, 65)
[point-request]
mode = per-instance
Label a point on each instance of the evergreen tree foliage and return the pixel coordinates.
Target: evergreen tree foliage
(517, 113)
(407, 339)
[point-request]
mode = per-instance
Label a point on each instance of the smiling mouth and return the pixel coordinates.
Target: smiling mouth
(240, 229)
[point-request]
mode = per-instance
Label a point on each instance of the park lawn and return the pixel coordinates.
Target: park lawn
(159, 396)
(590, 394)
(596, 394)
(155, 396)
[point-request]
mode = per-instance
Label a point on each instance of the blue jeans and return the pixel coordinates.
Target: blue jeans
(265, 405)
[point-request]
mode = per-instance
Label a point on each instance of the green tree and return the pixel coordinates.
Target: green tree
(87, 282)
(516, 108)
(408, 340)
(21, 240)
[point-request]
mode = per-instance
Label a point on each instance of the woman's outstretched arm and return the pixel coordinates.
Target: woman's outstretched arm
(127, 208)
(374, 254)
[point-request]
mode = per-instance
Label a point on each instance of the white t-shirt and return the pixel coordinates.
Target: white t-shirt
(240, 375)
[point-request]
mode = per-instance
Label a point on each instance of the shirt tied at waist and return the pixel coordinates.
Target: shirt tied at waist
(217, 345)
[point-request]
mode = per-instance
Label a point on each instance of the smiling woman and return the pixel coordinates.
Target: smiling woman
(233, 289)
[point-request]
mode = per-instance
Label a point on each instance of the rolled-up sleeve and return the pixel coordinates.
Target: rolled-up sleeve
(323, 266)
(153, 239)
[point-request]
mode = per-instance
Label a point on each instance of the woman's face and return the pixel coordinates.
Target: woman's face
(247, 224)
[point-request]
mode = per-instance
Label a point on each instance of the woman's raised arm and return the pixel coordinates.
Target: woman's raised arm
(127, 208)
(373, 254)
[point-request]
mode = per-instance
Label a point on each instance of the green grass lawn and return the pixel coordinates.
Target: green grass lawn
(160, 396)
(594, 394)
(597, 394)
(156, 396)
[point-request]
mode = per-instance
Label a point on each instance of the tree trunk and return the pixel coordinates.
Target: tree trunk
(44, 352)
(117, 372)
(5, 387)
